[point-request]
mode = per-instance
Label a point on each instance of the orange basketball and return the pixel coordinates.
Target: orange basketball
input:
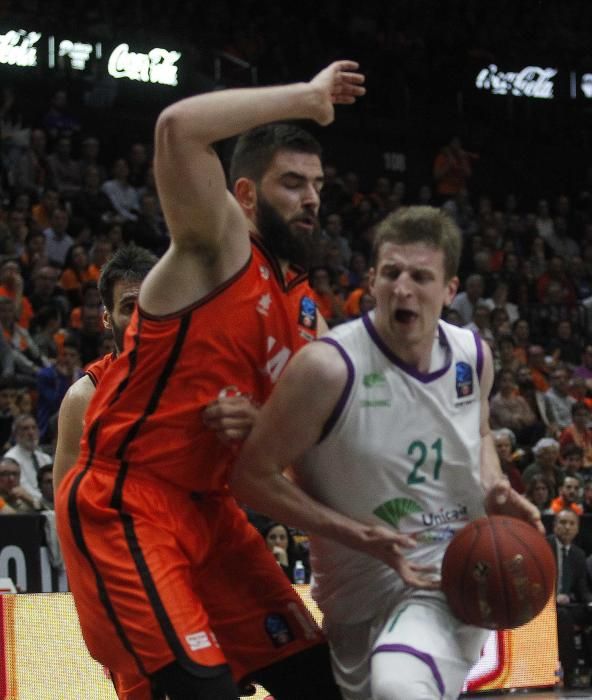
(498, 573)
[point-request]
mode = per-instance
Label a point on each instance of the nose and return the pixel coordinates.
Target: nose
(402, 285)
(311, 197)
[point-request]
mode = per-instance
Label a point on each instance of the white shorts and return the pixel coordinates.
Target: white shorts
(415, 649)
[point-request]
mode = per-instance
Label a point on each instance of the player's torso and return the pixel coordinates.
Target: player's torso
(95, 370)
(147, 410)
(404, 450)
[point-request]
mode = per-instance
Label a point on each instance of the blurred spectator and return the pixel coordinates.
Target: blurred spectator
(566, 293)
(147, 230)
(8, 411)
(26, 355)
(45, 328)
(58, 119)
(539, 368)
(574, 597)
(77, 270)
(465, 302)
(12, 286)
(351, 307)
(90, 149)
(52, 384)
(26, 451)
(538, 492)
(546, 455)
(571, 457)
(505, 443)
(57, 240)
(564, 346)
(568, 496)
(506, 359)
(65, 171)
(46, 292)
(138, 162)
(43, 211)
(281, 544)
(34, 255)
(16, 496)
(91, 205)
(333, 232)
(45, 482)
(559, 398)
(584, 366)
(536, 399)
(124, 198)
(452, 169)
(579, 432)
(481, 323)
(521, 335)
(329, 304)
(31, 172)
(510, 410)
(90, 334)
(499, 299)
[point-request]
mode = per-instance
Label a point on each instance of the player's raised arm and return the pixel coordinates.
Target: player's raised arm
(199, 210)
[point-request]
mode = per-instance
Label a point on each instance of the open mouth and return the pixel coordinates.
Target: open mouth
(405, 316)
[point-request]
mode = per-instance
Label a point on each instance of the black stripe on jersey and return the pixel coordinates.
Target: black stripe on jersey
(128, 524)
(133, 360)
(92, 377)
(78, 535)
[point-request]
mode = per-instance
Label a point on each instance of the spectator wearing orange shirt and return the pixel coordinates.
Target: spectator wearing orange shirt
(579, 432)
(11, 285)
(42, 212)
(328, 302)
(77, 271)
(538, 367)
(568, 497)
(452, 169)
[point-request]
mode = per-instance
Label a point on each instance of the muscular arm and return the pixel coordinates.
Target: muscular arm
(500, 498)
(70, 425)
(208, 229)
(289, 424)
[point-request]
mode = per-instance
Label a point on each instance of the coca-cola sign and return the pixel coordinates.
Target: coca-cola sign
(156, 66)
(17, 48)
(532, 81)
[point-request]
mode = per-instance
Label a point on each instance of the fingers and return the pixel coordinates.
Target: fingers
(419, 576)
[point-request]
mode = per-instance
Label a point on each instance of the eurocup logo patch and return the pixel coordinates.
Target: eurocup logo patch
(464, 380)
(308, 313)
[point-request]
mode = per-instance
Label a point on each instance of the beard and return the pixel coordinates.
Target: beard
(280, 237)
(118, 335)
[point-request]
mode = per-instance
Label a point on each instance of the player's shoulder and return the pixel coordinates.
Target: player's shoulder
(79, 393)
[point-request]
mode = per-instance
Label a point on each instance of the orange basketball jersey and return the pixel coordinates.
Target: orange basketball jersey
(145, 416)
(97, 369)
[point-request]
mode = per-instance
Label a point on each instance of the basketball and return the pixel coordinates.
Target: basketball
(498, 573)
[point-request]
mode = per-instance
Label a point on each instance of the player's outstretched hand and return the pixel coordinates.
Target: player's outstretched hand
(340, 83)
(501, 499)
(388, 546)
(231, 417)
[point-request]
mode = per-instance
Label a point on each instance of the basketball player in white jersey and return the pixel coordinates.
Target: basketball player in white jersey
(387, 422)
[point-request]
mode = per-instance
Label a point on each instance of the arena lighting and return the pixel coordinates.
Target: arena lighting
(17, 48)
(532, 81)
(156, 66)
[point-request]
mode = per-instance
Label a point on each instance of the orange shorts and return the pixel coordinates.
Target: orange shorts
(163, 576)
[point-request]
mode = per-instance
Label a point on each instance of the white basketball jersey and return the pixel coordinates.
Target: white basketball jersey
(401, 449)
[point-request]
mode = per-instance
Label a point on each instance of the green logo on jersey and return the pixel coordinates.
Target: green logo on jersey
(392, 511)
(374, 379)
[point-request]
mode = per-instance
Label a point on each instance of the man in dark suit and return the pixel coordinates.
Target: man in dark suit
(574, 598)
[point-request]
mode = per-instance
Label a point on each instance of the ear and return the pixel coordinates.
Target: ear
(451, 289)
(107, 319)
(371, 281)
(245, 193)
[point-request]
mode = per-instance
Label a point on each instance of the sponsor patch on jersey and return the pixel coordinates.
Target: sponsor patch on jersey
(374, 379)
(264, 272)
(264, 304)
(198, 640)
(464, 379)
(278, 630)
(308, 313)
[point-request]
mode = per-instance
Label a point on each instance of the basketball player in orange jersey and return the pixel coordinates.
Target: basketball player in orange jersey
(170, 582)
(119, 285)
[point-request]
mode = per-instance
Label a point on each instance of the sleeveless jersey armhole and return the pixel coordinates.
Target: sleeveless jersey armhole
(339, 406)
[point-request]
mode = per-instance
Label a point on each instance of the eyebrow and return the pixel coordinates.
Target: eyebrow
(300, 176)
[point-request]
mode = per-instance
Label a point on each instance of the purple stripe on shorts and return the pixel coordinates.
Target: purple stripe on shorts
(336, 412)
(421, 655)
(479, 343)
